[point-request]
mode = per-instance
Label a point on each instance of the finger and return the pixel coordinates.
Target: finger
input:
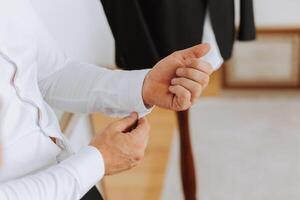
(141, 132)
(125, 123)
(197, 51)
(182, 97)
(142, 127)
(195, 88)
(199, 64)
(193, 74)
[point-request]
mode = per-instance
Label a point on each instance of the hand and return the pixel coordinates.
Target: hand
(122, 149)
(178, 80)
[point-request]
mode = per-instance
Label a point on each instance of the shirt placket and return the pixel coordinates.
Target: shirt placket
(61, 141)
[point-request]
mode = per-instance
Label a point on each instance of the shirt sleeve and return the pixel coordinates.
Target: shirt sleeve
(83, 88)
(213, 56)
(86, 88)
(69, 180)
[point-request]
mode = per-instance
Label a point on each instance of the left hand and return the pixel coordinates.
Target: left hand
(177, 81)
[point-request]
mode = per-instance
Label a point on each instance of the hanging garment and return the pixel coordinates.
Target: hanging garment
(146, 31)
(92, 194)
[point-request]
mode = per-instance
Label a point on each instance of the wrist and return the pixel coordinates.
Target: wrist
(146, 94)
(104, 155)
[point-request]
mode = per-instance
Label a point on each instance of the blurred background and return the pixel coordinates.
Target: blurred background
(245, 130)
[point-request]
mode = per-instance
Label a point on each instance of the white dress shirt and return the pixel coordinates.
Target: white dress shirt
(34, 71)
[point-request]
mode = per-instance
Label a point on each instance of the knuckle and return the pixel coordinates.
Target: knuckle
(206, 65)
(139, 156)
(210, 68)
(202, 63)
(203, 78)
(177, 58)
(198, 90)
(176, 54)
(183, 107)
(206, 79)
(179, 81)
(198, 94)
(186, 95)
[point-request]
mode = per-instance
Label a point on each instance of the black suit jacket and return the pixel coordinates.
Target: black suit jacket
(147, 30)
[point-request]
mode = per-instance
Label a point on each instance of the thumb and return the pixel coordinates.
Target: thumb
(125, 123)
(198, 51)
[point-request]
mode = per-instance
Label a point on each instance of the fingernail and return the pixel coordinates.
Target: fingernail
(173, 81)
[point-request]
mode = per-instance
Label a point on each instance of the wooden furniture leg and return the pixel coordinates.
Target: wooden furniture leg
(188, 174)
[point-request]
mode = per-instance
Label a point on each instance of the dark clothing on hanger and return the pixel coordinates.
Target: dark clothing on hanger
(92, 194)
(147, 30)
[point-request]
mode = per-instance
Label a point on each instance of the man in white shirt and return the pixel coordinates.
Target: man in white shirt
(38, 162)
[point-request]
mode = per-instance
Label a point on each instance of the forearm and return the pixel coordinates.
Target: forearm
(69, 180)
(83, 88)
(86, 88)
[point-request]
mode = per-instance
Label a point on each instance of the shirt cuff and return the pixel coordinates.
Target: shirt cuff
(135, 81)
(87, 166)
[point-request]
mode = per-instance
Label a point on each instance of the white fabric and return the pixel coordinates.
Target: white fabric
(33, 69)
(214, 56)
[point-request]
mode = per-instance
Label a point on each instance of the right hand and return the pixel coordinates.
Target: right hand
(177, 81)
(122, 149)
